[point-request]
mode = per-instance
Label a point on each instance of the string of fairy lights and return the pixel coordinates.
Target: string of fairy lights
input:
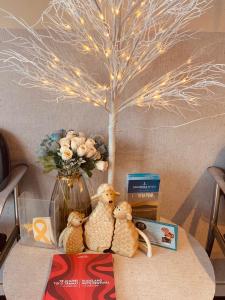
(124, 37)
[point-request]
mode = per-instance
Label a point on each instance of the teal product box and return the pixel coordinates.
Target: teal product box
(143, 194)
(159, 233)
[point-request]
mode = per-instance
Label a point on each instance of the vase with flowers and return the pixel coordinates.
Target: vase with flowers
(74, 156)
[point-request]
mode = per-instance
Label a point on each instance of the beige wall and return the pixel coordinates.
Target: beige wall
(29, 10)
(180, 155)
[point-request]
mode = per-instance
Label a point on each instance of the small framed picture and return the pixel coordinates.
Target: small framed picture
(160, 233)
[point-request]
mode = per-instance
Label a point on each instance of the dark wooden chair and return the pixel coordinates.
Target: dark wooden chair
(214, 232)
(12, 188)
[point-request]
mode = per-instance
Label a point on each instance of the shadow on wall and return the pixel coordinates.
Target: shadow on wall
(200, 199)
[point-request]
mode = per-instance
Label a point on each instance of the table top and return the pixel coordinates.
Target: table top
(168, 275)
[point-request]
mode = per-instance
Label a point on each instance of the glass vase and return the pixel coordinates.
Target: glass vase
(70, 193)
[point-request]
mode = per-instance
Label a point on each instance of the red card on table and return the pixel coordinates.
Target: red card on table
(81, 277)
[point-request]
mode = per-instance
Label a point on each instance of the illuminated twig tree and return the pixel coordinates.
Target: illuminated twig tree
(125, 37)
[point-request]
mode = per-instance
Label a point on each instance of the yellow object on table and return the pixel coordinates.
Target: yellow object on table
(42, 230)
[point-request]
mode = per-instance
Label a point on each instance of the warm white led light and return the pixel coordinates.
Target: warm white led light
(120, 40)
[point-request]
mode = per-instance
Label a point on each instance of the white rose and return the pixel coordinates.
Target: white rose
(63, 149)
(74, 145)
(70, 134)
(91, 151)
(102, 165)
(97, 155)
(67, 154)
(81, 150)
(79, 140)
(90, 143)
(64, 142)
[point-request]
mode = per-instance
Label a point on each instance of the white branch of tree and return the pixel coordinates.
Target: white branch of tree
(123, 36)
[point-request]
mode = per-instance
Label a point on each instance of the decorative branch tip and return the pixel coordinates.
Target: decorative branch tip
(125, 37)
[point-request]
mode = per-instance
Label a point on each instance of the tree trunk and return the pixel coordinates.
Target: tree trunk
(112, 145)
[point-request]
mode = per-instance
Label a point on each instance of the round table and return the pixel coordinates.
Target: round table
(169, 275)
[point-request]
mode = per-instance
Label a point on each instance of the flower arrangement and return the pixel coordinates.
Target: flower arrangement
(71, 153)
